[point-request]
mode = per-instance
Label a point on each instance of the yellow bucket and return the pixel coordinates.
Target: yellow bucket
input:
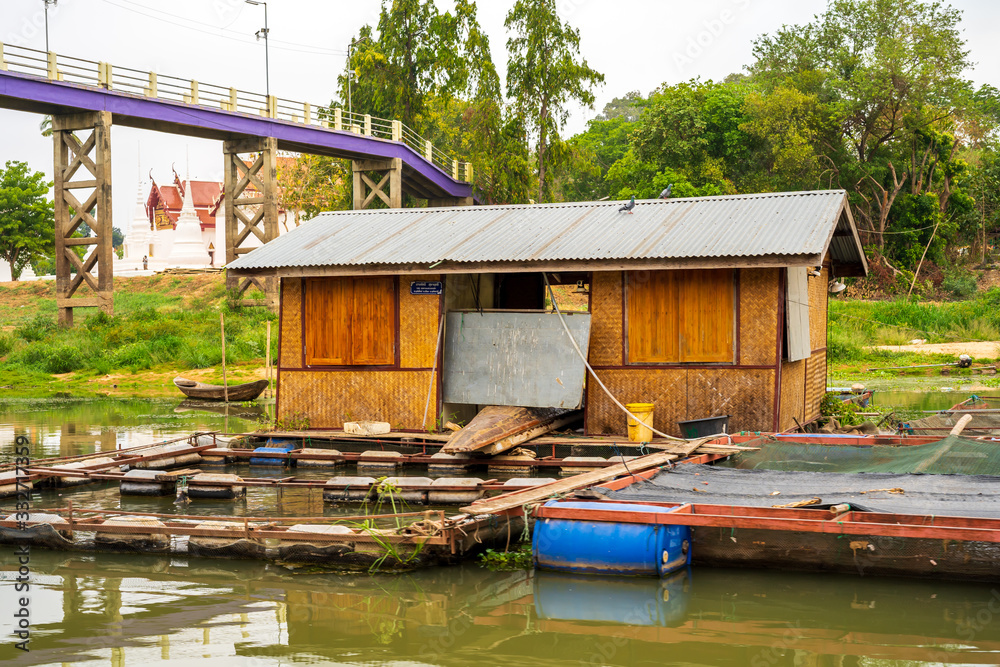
(640, 432)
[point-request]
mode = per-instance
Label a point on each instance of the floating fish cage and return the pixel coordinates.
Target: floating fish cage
(390, 542)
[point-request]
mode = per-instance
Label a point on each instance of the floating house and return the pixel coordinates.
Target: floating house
(702, 306)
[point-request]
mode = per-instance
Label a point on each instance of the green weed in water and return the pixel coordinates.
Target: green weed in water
(518, 558)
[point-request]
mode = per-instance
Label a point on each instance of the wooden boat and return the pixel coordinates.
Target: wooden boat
(498, 428)
(213, 392)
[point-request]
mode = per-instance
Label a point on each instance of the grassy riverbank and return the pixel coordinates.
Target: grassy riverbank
(163, 326)
(857, 327)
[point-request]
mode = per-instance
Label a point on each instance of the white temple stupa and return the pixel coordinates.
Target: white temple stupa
(188, 251)
(137, 243)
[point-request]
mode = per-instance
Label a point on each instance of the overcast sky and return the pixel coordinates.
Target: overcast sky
(636, 44)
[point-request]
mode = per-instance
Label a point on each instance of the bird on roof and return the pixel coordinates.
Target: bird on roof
(666, 192)
(627, 208)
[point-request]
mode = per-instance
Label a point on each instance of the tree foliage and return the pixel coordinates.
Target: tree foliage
(26, 216)
(544, 74)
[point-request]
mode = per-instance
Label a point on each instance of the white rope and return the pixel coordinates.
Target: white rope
(583, 358)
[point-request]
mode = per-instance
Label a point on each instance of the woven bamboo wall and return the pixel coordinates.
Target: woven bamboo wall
(679, 394)
(291, 323)
(418, 324)
(815, 383)
(758, 316)
(607, 298)
(747, 395)
(329, 398)
(793, 377)
(818, 296)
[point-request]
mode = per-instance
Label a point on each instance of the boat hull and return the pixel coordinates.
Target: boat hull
(212, 392)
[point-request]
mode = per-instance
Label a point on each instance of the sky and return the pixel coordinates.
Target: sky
(636, 44)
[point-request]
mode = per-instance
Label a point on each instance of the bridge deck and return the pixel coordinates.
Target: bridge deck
(41, 95)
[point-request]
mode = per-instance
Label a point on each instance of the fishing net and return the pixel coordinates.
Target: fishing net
(953, 455)
(942, 495)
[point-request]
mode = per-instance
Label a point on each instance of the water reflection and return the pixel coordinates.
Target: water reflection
(126, 610)
(70, 427)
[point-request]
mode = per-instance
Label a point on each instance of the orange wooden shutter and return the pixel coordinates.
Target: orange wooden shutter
(706, 315)
(328, 321)
(652, 316)
(373, 322)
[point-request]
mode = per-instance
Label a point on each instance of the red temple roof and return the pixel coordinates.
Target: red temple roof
(205, 195)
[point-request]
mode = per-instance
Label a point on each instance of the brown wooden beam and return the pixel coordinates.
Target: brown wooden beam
(250, 213)
(70, 156)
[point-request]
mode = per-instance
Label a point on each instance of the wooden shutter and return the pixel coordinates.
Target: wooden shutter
(797, 313)
(328, 321)
(652, 316)
(680, 316)
(350, 321)
(373, 322)
(706, 316)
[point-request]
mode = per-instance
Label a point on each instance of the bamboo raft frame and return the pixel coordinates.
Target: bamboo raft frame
(431, 542)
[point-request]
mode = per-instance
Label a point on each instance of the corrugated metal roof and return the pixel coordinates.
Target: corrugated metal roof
(786, 223)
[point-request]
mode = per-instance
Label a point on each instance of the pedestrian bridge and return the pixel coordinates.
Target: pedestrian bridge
(389, 158)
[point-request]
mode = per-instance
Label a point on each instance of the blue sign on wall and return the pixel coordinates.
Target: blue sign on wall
(426, 287)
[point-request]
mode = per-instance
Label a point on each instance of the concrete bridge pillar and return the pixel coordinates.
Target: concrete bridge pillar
(83, 165)
(251, 196)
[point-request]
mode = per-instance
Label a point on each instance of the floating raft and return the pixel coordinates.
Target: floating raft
(399, 542)
(815, 539)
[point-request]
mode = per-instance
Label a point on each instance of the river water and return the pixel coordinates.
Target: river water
(103, 609)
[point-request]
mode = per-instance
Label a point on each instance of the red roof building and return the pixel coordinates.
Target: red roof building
(165, 202)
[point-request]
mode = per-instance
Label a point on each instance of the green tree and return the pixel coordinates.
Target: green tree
(696, 129)
(590, 154)
(545, 73)
(27, 223)
(882, 70)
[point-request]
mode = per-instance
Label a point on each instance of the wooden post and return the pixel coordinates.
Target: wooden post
(225, 383)
(338, 118)
(53, 66)
(368, 125)
(90, 158)
(233, 100)
(267, 361)
(3, 63)
(151, 90)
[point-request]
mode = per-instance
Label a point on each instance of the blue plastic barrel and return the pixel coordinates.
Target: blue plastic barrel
(276, 447)
(635, 601)
(602, 547)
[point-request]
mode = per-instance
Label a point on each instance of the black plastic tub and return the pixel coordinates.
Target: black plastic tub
(699, 428)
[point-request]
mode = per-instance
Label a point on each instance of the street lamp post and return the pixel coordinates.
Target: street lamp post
(47, 3)
(264, 31)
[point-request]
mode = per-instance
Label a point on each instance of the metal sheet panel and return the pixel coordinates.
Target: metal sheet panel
(797, 313)
(736, 226)
(508, 358)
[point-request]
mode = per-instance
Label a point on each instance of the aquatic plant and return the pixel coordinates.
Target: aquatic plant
(518, 558)
(844, 412)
